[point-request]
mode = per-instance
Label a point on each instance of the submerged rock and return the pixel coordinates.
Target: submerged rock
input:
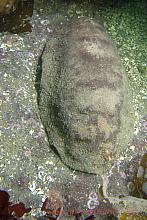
(84, 100)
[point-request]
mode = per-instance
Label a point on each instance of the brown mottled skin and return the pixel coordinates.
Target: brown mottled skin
(84, 101)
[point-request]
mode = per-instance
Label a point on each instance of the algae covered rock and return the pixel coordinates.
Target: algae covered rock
(84, 100)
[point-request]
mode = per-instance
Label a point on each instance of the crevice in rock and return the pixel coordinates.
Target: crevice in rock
(39, 75)
(38, 90)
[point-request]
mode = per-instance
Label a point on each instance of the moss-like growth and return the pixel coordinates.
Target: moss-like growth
(84, 103)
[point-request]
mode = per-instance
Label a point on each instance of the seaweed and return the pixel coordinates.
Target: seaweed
(8, 210)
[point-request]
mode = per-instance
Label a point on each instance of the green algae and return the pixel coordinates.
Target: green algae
(127, 27)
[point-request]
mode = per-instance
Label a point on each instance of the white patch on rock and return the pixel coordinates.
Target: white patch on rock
(140, 171)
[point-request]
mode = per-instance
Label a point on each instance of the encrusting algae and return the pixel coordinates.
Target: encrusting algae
(138, 185)
(53, 204)
(138, 188)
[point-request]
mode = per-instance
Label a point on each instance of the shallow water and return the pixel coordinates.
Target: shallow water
(29, 179)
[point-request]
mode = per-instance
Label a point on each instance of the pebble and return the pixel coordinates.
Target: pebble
(140, 171)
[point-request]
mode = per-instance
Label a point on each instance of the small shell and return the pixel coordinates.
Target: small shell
(92, 204)
(93, 196)
(131, 186)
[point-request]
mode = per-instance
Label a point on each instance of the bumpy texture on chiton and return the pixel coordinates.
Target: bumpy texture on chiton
(84, 101)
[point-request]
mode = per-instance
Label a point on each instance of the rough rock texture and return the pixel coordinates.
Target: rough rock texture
(84, 100)
(76, 193)
(28, 168)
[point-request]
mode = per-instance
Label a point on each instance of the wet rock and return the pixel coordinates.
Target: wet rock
(140, 171)
(76, 193)
(84, 100)
(83, 195)
(137, 184)
(53, 204)
(21, 132)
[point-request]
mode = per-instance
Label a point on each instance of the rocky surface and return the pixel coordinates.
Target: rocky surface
(28, 170)
(84, 100)
(22, 135)
(27, 167)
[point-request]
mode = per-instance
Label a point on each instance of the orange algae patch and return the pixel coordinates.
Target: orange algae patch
(133, 216)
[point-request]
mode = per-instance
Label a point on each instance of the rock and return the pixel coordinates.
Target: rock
(77, 192)
(84, 100)
(140, 171)
(83, 195)
(53, 200)
(22, 137)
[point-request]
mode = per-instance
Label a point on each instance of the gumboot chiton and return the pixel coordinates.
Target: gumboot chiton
(84, 100)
